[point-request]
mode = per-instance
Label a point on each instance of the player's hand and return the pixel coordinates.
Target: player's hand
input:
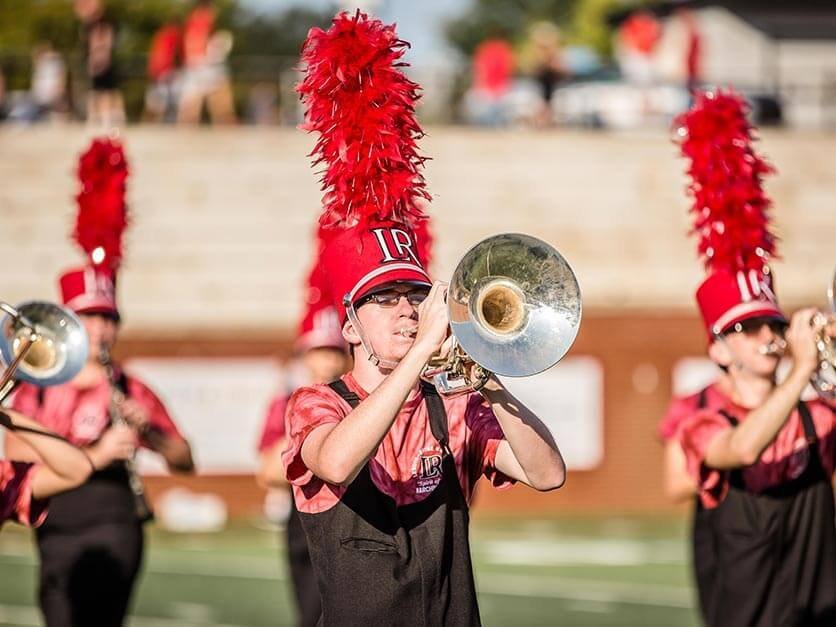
(117, 443)
(433, 320)
(801, 339)
(135, 415)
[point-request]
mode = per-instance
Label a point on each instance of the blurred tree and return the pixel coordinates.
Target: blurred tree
(583, 22)
(505, 19)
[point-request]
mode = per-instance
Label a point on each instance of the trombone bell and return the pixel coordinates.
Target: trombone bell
(41, 343)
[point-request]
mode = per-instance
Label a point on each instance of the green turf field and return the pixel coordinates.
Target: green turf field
(597, 572)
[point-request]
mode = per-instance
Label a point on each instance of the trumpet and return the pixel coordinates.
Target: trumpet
(117, 396)
(824, 379)
(41, 343)
(515, 309)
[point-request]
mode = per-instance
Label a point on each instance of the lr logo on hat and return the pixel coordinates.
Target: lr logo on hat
(396, 245)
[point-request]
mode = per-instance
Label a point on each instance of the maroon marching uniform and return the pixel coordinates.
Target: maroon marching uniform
(764, 534)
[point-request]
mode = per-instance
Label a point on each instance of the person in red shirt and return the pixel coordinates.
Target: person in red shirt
(323, 357)
(91, 544)
(383, 468)
(759, 457)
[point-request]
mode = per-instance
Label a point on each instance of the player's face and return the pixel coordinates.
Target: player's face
(390, 319)
(751, 341)
(101, 332)
(325, 364)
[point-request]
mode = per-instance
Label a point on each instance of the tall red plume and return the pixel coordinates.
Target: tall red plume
(730, 210)
(363, 108)
(102, 215)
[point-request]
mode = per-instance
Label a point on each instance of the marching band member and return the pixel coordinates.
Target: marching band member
(91, 544)
(323, 355)
(760, 458)
(382, 467)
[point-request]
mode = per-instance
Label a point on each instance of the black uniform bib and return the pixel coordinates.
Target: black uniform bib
(382, 564)
(703, 548)
(776, 551)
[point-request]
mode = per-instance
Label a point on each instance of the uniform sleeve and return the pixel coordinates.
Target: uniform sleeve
(307, 409)
(17, 501)
(158, 416)
(678, 411)
(274, 424)
(695, 435)
(485, 436)
(25, 400)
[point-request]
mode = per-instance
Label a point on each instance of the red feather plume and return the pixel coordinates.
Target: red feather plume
(730, 209)
(363, 108)
(102, 215)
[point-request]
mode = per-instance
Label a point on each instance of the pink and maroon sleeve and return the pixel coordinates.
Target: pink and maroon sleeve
(485, 437)
(678, 411)
(159, 418)
(307, 409)
(18, 503)
(274, 424)
(25, 400)
(695, 436)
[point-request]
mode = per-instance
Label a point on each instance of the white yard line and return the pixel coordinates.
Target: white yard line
(578, 590)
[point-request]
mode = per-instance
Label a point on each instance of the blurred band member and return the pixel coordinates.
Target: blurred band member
(323, 355)
(761, 458)
(91, 544)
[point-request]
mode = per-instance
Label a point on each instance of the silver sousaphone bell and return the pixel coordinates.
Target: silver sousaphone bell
(515, 309)
(824, 379)
(41, 343)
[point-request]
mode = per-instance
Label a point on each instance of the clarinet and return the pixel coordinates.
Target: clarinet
(117, 396)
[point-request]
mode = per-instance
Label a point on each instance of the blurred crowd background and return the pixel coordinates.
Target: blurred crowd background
(548, 117)
(587, 63)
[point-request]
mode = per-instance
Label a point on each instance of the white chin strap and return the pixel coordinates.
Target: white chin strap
(364, 340)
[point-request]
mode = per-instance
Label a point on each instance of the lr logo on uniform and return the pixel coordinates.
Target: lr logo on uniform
(431, 466)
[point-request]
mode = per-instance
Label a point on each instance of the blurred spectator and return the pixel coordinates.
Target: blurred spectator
(263, 104)
(635, 44)
(493, 67)
(678, 55)
(218, 84)
(105, 105)
(163, 61)
(3, 104)
(549, 69)
(49, 82)
(196, 33)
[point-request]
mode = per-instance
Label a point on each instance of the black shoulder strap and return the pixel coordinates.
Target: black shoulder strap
(348, 396)
(438, 415)
(732, 420)
(807, 422)
(702, 400)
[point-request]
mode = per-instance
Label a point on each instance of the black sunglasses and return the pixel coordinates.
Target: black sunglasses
(752, 326)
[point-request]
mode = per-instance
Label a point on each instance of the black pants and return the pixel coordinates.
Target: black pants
(87, 574)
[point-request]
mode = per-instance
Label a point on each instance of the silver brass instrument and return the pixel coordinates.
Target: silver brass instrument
(42, 344)
(515, 309)
(117, 396)
(824, 379)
